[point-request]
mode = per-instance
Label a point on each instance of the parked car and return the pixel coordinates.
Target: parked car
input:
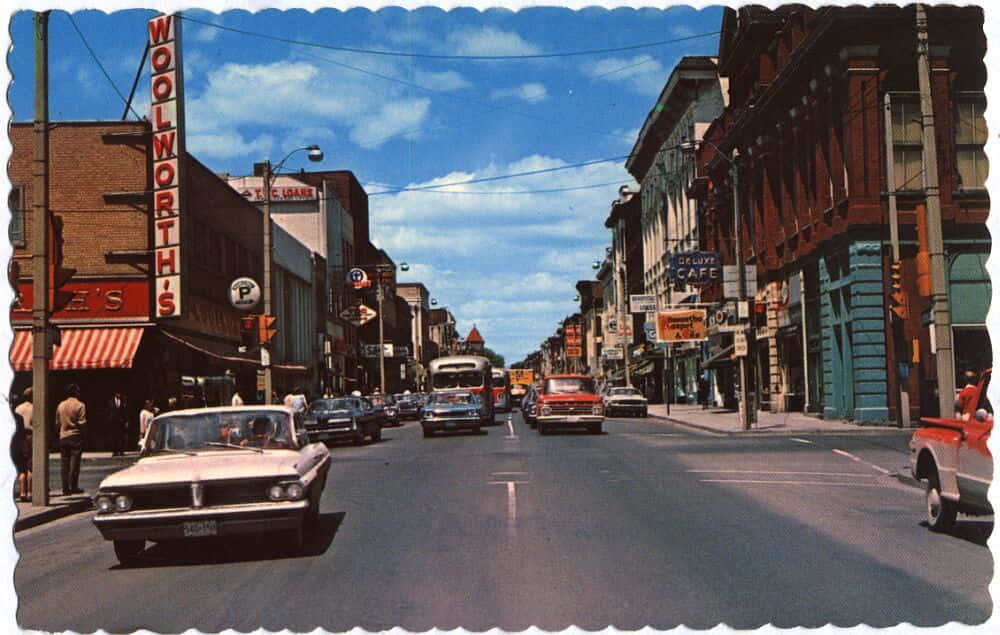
(528, 405)
(386, 405)
(953, 456)
(568, 401)
(343, 419)
(451, 410)
(215, 472)
(408, 406)
(627, 401)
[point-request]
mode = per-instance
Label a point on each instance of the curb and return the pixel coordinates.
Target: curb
(52, 513)
(862, 430)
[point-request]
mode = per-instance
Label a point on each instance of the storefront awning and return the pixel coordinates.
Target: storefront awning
(82, 349)
(720, 359)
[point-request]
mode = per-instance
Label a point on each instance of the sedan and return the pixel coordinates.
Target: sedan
(627, 401)
(451, 410)
(215, 472)
(343, 419)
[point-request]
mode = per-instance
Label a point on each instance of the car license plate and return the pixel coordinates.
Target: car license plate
(197, 528)
(573, 419)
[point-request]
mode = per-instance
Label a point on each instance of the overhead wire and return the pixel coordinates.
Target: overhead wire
(410, 54)
(100, 65)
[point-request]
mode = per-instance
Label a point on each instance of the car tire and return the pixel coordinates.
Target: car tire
(940, 512)
(127, 551)
(595, 428)
(359, 439)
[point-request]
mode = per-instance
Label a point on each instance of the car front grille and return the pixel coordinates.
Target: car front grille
(571, 408)
(224, 493)
(627, 402)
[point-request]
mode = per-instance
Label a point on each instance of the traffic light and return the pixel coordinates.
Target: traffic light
(248, 331)
(267, 331)
(58, 275)
(897, 297)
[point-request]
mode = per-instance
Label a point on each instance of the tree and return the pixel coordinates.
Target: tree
(495, 358)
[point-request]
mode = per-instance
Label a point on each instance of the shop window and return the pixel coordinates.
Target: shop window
(15, 202)
(972, 351)
(970, 139)
(907, 143)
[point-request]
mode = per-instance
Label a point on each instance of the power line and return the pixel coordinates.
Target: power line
(101, 66)
(515, 192)
(385, 53)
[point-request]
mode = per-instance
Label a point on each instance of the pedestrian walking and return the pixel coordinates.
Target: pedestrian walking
(145, 418)
(71, 417)
(703, 391)
(118, 423)
(237, 399)
(21, 444)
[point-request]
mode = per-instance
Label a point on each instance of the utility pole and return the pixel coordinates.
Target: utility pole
(939, 289)
(902, 397)
(734, 174)
(41, 349)
(381, 333)
(265, 347)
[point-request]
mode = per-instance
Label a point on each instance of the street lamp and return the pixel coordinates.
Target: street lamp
(315, 155)
(690, 146)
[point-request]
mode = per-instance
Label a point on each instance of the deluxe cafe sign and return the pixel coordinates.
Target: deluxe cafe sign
(681, 325)
(167, 117)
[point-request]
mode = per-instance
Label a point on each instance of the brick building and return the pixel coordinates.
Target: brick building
(810, 91)
(101, 178)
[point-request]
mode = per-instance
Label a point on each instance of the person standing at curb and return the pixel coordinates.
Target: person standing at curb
(21, 449)
(118, 423)
(71, 417)
(145, 417)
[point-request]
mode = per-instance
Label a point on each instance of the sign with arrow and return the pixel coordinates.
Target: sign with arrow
(358, 315)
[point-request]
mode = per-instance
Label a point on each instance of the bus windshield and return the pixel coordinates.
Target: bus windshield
(458, 379)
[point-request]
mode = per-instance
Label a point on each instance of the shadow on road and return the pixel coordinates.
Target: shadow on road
(974, 531)
(249, 548)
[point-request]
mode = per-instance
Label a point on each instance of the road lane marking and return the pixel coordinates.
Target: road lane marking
(787, 473)
(806, 441)
(507, 473)
(511, 505)
(856, 459)
(763, 481)
(505, 482)
(510, 427)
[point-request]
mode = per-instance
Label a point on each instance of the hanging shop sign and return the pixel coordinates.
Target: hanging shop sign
(244, 293)
(695, 267)
(167, 148)
(642, 303)
(358, 278)
(613, 353)
(683, 325)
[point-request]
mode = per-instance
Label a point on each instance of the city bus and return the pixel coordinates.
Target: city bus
(501, 390)
(468, 372)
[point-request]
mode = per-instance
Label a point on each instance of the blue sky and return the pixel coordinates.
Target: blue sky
(503, 254)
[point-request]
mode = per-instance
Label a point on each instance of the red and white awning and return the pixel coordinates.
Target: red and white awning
(82, 349)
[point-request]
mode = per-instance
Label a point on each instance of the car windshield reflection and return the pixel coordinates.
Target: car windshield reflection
(218, 430)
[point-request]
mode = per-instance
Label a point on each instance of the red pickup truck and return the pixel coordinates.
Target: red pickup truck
(951, 454)
(568, 401)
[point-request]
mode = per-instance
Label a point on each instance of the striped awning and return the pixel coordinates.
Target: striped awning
(82, 349)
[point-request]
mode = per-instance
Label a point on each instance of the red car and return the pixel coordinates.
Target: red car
(952, 456)
(568, 401)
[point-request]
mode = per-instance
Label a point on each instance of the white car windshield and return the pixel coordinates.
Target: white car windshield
(623, 391)
(212, 430)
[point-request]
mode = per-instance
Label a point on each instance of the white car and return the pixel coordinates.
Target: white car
(215, 472)
(626, 401)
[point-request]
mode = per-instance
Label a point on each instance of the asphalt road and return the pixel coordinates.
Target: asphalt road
(645, 525)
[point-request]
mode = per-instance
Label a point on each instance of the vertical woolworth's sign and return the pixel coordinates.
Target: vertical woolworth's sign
(167, 148)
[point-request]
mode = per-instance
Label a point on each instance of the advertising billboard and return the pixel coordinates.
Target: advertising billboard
(681, 325)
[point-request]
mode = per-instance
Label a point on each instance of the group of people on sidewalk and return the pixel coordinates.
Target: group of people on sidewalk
(71, 426)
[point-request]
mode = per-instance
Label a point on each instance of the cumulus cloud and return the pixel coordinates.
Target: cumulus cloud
(446, 81)
(642, 74)
(507, 262)
(531, 93)
(489, 41)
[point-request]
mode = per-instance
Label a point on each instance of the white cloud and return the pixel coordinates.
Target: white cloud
(488, 41)
(229, 144)
(446, 81)
(397, 117)
(642, 74)
(531, 93)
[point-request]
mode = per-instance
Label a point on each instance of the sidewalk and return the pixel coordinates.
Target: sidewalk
(60, 506)
(721, 421)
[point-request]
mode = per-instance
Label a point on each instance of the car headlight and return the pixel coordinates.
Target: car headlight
(123, 503)
(276, 492)
(391, 412)
(294, 491)
(598, 409)
(105, 504)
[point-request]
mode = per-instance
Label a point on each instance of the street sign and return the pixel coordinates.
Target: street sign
(681, 325)
(740, 344)
(649, 328)
(358, 315)
(613, 353)
(358, 278)
(370, 351)
(731, 280)
(612, 325)
(642, 303)
(244, 293)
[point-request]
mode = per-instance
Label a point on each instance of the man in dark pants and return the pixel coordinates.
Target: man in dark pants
(71, 417)
(118, 423)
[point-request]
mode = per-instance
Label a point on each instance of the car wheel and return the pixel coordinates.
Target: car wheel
(128, 551)
(941, 512)
(377, 434)
(359, 438)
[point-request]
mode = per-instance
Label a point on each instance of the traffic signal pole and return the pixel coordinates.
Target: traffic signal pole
(41, 351)
(265, 347)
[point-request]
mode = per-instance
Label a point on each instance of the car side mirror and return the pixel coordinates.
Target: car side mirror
(982, 416)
